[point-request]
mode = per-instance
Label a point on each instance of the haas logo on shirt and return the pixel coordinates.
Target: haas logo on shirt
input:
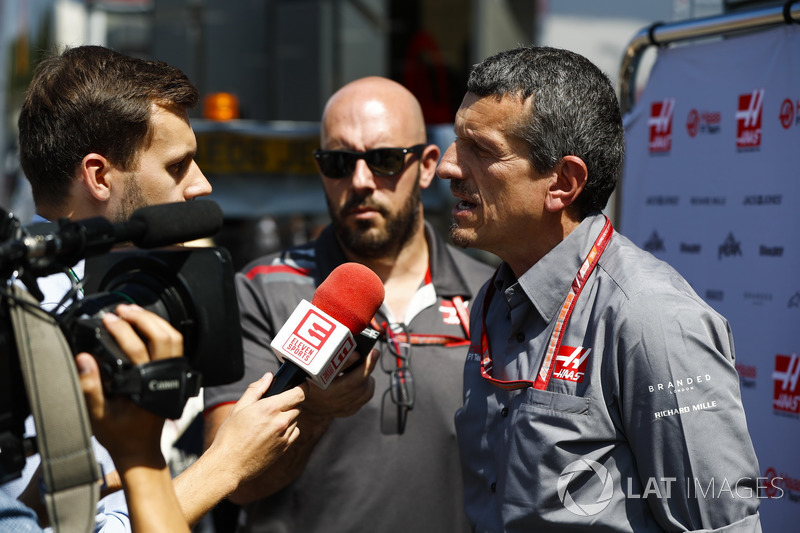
(571, 363)
(450, 312)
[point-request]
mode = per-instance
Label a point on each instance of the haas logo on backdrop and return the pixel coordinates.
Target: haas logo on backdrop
(748, 120)
(660, 124)
(786, 396)
(787, 115)
(703, 122)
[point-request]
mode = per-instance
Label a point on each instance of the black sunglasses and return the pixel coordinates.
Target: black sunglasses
(338, 164)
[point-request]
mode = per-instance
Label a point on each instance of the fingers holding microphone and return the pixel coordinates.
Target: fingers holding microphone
(347, 393)
(257, 431)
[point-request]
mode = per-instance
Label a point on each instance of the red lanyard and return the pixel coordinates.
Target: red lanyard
(546, 369)
(422, 339)
(427, 339)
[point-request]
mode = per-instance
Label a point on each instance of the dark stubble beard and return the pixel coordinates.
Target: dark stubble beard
(384, 241)
(132, 199)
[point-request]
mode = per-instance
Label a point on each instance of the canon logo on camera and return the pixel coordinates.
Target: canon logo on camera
(158, 385)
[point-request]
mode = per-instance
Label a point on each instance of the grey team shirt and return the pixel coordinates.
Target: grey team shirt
(647, 433)
(357, 478)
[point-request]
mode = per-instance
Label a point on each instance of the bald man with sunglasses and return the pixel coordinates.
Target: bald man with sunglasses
(377, 449)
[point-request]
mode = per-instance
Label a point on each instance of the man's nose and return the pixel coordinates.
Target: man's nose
(363, 178)
(448, 164)
(198, 185)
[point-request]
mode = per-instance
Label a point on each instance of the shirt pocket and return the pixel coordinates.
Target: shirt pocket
(544, 403)
(547, 432)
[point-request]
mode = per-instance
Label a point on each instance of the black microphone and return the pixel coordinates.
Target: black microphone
(319, 336)
(49, 247)
(164, 224)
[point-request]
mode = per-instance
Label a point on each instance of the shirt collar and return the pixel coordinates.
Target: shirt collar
(547, 282)
(445, 275)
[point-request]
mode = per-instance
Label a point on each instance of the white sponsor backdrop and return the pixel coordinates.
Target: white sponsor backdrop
(712, 186)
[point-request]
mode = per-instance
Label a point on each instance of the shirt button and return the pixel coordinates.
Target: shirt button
(493, 487)
(504, 412)
(520, 337)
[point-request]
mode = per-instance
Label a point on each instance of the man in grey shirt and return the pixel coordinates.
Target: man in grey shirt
(599, 390)
(377, 449)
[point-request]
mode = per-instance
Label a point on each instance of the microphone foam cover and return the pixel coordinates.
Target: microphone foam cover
(351, 294)
(177, 222)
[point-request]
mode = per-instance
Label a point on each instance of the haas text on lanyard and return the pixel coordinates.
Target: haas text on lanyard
(546, 369)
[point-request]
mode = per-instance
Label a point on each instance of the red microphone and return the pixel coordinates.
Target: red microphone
(318, 337)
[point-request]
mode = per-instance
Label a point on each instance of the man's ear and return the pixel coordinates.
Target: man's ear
(95, 176)
(568, 181)
(429, 158)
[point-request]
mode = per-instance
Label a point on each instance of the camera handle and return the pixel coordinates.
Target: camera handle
(62, 422)
(162, 387)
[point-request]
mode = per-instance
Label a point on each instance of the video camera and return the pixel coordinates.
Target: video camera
(192, 288)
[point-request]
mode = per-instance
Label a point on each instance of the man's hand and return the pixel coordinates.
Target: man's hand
(124, 428)
(131, 434)
(257, 431)
(346, 394)
(253, 435)
(344, 397)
